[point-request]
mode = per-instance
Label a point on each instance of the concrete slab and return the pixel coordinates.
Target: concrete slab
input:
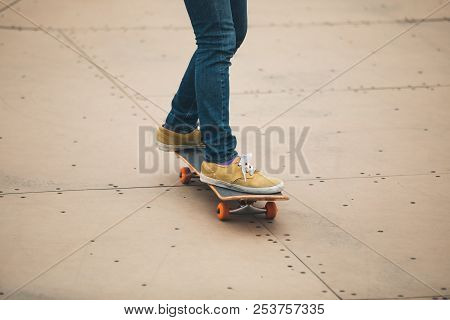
(376, 151)
(402, 218)
(55, 109)
(351, 134)
(173, 249)
(141, 57)
(176, 249)
(314, 57)
(40, 230)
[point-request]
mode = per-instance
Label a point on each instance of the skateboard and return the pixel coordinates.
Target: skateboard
(194, 158)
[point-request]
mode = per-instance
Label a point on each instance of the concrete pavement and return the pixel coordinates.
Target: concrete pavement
(368, 219)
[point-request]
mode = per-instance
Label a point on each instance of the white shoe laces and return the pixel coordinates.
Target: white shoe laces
(244, 164)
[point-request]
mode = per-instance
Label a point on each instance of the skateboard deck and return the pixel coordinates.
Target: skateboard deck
(194, 158)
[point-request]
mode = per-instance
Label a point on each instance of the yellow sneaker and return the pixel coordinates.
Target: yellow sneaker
(239, 176)
(172, 141)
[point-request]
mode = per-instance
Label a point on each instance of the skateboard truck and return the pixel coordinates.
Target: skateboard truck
(249, 205)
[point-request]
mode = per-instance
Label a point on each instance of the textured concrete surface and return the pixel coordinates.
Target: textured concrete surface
(369, 219)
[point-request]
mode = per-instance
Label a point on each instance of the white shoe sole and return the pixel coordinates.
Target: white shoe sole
(171, 147)
(223, 184)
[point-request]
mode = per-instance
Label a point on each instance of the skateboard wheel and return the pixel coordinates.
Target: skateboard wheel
(271, 210)
(185, 175)
(223, 211)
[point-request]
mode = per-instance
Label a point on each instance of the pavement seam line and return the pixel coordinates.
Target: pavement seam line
(96, 189)
(299, 259)
(196, 185)
(251, 26)
(7, 6)
(370, 177)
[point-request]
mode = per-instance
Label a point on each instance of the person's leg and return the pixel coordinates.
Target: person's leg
(183, 116)
(213, 25)
(239, 11)
(220, 27)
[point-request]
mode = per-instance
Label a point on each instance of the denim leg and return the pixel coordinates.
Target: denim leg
(183, 116)
(239, 10)
(220, 27)
(213, 25)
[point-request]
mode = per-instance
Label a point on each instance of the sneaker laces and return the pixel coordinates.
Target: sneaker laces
(246, 167)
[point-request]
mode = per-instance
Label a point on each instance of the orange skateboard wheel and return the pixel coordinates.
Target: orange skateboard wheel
(271, 210)
(185, 175)
(223, 211)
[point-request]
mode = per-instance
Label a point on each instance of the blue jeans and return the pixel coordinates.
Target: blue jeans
(220, 27)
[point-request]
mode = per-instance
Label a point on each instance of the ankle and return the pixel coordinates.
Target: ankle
(227, 163)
